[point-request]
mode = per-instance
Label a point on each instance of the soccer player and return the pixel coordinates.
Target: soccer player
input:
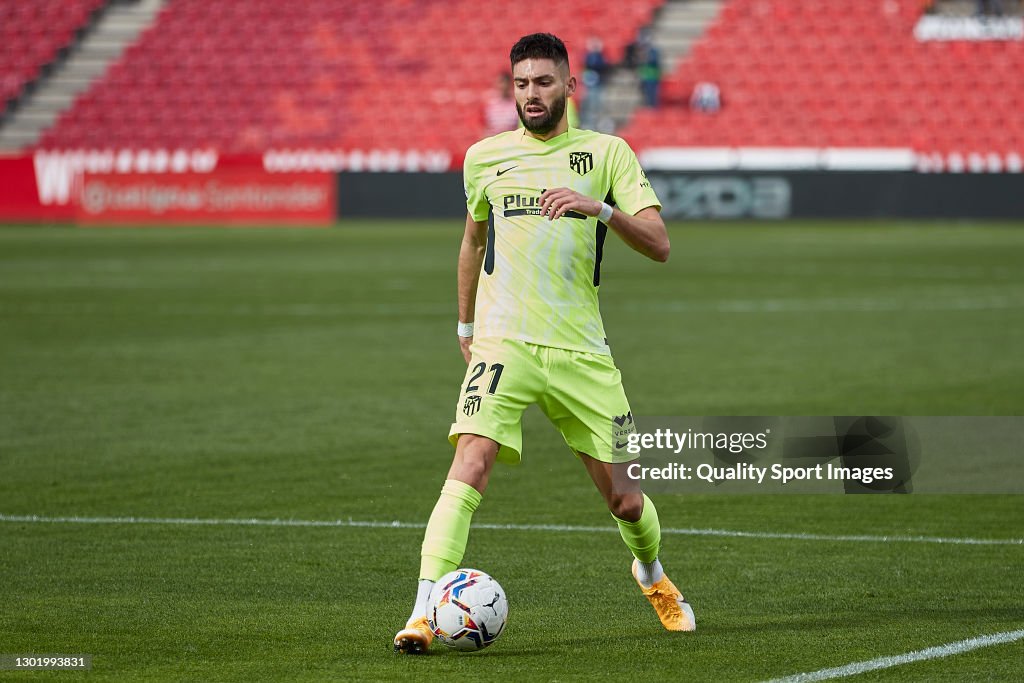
(540, 204)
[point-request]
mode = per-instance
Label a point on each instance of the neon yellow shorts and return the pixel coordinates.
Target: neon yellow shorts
(580, 392)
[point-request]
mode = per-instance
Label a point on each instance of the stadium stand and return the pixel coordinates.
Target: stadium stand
(846, 73)
(32, 35)
(246, 75)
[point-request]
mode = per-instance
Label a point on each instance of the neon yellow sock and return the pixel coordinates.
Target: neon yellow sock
(642, 537)
(444, 542)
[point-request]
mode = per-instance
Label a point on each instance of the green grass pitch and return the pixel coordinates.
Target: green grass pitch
(312, 375)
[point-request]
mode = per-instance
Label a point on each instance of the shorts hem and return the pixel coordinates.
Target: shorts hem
(609, 458)
(507, 453)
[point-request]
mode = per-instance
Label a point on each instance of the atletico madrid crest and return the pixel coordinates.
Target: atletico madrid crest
(581, 162)
(471, 405)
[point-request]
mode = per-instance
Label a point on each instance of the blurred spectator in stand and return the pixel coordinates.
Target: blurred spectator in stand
(990, 8)
(631, 58)
(500, 110)
(706, 98)
(594, 68)
(648, 66)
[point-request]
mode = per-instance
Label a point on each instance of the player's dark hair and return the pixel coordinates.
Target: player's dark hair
(540, 46)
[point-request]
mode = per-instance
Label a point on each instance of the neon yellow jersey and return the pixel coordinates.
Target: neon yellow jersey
(540, 278)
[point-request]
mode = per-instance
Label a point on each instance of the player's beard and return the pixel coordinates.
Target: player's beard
(545, 123)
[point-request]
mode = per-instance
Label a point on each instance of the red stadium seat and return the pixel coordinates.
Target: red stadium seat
(237, 72)
(32, 34)
(241, 74)
(842, 73)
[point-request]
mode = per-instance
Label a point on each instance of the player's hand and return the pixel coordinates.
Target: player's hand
(464, 343)
(554, 203)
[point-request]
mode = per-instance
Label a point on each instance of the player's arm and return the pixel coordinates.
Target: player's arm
(471, 258)
(645, 232)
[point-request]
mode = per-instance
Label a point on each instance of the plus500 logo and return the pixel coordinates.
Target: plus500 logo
(723, 196)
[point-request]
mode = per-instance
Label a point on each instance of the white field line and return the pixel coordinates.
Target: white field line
(936, 652)
(565, 528)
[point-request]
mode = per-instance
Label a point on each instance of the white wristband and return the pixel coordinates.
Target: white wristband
(606, 213)
(465, 329)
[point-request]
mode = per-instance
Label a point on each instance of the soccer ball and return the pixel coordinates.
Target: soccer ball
(467, 609)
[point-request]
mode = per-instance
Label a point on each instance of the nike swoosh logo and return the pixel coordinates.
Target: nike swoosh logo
(506, 170)
(621, 445)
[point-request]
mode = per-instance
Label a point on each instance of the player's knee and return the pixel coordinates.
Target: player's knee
(474, 460)
(626, 506)
(470, 470)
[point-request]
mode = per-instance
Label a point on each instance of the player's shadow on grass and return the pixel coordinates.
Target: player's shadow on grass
(514, 652)
(436, 653)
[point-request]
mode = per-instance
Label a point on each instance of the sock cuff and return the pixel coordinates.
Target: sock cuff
(645, 516)
(433, 568)
(642, 537)
(463, 491)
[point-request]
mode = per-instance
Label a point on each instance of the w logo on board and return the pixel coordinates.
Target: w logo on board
(471, 405)
(581, 162)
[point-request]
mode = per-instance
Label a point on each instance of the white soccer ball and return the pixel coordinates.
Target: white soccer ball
(467, 609)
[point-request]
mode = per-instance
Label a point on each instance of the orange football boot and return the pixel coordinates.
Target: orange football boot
(415, 638)
(673, 610)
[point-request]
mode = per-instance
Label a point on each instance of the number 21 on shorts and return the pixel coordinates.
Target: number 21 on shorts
(478, 371)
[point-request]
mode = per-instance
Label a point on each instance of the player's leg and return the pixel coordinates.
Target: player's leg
(447, 533)
(640, 528)
(587, 403)
(632, 510)
(502, 379)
